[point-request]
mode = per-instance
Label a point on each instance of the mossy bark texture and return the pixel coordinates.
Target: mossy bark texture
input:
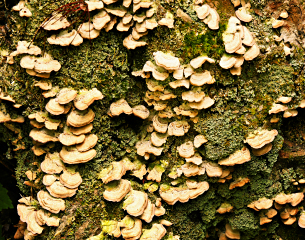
(242, 105)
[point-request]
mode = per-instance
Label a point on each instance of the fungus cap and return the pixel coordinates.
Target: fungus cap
(262, 138)
(52, 163)
(227, 62)
(131, 43)
(178, 128)
(149, 212)
(290, 113)
(48, 179)
(243, 14)
(197, 62)
(66, 95)
(276, 108)
(159, 124)
(248, 39)
(168, 22)
(54, 107)
(68, 139)
(78, 118)
(203, 11)
(180, 83)
(120, 107)
(65, 38)
(89, 142)
(196, 95)
(205, 103)
(70, 180)
(157, 232)
(32, 224)
(199, 79)
(166, 61)
(196, 159)
(71, 155)
(135, 203)
(213, 19)
(100, 20)
(87, 31)
(212, 169)
(81, 130)
(49, 203)
(238, 157)
(231, 233)
(186, 150)
(235, 71)
(252, 53)
(114, 172)
(43, 135)
(301, 221)
(133, 233)
(144, 147)
(140, 111)
(199, 140)
(158, 139)
(234, 44)
(238, 183)
(23, 211)
(117, 190)
(58, 190)
(190, 169)
(263, 150)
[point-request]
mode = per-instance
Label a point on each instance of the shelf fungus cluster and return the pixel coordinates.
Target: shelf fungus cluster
(39, 66)
(134, 16)
(136, 203)
(61, 178)
(23, 10)
(284, 204)
(36, 219)
(279, 106)
(261, 141)
(208, 15)
(160, 96)
(240, 45)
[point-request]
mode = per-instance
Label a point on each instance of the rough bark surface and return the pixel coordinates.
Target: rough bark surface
(241, 106)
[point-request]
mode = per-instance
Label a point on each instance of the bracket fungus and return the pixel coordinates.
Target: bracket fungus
(145, 147)
(157, 232)
(58, 190)
(117, 190)
(238, 157)
(114, 172)
(232, 233)
(166, 61)
(68, 139)
(43, 135)
(78, 118)
(195, 95)
(66, 38)
(87, 31)
(186, 150)
(178, 128)
(71, 155)
(205, 103)
(89, 142)
(135, 203)
(149, 212)
(49, 203)
(134, 232)
(52, 163)
(70, 180)
(120, 107)
(261, 138)
(199, 79)
(243, 14)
